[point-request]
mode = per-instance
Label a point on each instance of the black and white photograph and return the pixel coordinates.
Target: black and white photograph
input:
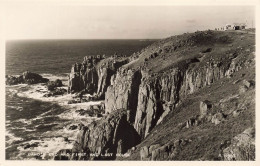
(119, 82)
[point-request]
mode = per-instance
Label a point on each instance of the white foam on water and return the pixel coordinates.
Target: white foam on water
(14, 86)
(38, 91)
(53, 140)
(47, 147)
(11, 138)
(25, 121)
(71, 113)
(64, 132)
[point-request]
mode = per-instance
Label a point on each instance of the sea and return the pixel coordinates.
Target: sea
(37, 127)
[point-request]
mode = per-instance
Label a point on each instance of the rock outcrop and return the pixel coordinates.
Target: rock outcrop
(163, 152)
(52, 85)
(84, 76)
(26, 78)
(106, 138)
(242, 147)
(93, 75)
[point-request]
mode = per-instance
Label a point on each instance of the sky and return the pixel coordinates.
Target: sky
(59, 21)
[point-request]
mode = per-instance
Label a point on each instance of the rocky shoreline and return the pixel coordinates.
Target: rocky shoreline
(143, 91)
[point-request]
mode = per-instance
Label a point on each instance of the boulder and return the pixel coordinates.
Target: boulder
(26, 78)
(242, 147)
(217, 118)
(205, 107)
(52, 85)
(163, 152)
(56, 92)
(63, 154)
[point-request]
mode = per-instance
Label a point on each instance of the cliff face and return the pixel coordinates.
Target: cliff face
(159, 95)
(158, 82)
(103, 140)
(93, 75)
(123, 91)
(84, 76)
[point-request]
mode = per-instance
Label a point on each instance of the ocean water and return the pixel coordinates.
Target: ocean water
(57, 56)
(36, 126)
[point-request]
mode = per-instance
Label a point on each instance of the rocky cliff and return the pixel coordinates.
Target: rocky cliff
(93, 74)
(123, 91)
(161, 91)
(104, 139)
(161, 85)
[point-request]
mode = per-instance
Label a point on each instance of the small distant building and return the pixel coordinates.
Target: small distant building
(235, 26)
(239, 26)
(228, 27)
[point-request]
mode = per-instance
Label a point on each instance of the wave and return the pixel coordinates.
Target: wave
(11, 138)
(45, 148)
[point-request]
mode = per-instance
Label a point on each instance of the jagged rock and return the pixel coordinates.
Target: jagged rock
(56, 92)
(248, 84)
(73, 127)
(242, 147)
(63, 154)
(205, 107)
(243, 89)
(112, 134)
(93, 75)
(163, 152)
(144, 152)
(91, 112)
(52, 85)
(26, 78)
(192, 122)
(236, 113)
(31, 145)
(217, 118)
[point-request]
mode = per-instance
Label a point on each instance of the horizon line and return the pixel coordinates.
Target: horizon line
(84, 39)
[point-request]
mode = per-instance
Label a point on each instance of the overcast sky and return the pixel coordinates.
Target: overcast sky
(117, 22)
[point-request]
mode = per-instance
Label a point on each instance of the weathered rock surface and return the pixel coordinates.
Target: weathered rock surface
(242, 147)
(161, 92)
(93, 75)
(26, 78)
(104, 139)
(52, 85)
(163, 152)
(56, 92)
(84, 76)
(123, 92)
